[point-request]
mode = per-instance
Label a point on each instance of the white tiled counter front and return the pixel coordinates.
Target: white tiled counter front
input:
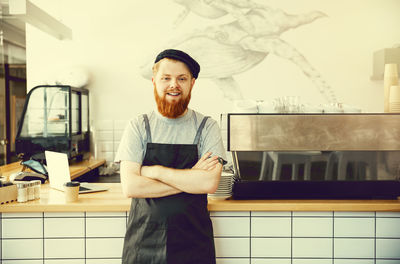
(307, 237)
(49, 231)
(240, 237)
(62, 237)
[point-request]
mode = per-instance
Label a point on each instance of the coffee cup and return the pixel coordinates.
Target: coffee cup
(71, 191)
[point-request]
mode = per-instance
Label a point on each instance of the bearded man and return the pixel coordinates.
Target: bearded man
(162, 172)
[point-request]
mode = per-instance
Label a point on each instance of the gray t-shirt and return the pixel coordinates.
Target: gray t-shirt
(163, 130)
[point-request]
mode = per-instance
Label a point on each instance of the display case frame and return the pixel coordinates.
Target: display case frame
(74, 138)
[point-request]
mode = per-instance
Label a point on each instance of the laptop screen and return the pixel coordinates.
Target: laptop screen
(58, 169)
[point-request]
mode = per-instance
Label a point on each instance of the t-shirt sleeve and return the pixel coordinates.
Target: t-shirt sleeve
(212, 140)
(131, 147)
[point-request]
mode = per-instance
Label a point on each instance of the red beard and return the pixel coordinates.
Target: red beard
(171, 110)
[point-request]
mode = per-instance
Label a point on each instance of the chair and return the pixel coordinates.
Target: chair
(275, 160)
(363, 163)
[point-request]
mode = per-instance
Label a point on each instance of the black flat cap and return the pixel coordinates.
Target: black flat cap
(179, 55)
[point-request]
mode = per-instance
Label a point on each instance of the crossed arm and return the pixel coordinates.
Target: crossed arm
(158, 181)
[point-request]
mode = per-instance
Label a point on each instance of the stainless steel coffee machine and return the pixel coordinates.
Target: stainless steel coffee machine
(315, 156)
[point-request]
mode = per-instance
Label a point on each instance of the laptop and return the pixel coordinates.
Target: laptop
(58, 172)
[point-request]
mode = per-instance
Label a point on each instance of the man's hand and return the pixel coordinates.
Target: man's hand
(206, 162)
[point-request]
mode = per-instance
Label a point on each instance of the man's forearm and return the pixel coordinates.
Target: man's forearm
(186, 180)
(135, 185)
(144, 187)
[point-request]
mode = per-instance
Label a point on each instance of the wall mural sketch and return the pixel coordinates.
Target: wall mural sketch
(224, 50)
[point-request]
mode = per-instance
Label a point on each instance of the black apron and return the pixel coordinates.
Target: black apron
(175, 229)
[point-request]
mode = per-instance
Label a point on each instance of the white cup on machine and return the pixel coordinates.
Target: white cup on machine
(394, 99)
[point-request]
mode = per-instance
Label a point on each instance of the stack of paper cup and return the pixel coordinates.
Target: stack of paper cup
(390, 78)
(224, 190)
(394, 99)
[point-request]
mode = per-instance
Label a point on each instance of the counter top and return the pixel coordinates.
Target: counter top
(113, 201)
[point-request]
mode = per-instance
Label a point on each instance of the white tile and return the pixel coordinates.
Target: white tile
(270, 247)
(65, 261)
(116, 145)
(354, 214)
(354, 261)
(105, 214)
(388, 227)
(15, 215)
(313, 214)
(354, 227)
(273, 213)
(103, 261)
(22, 248)
(25, 261)
(22, 228)
(230, 213)
(354, 248)
(233, 261)
(387, 261)
(104, 146)
(271, 261)
(104, 247)
(387, 214)
(312, 247)
(104, 125)
(232, 247)
(64, 248)
(312, 227)
(71, 227)
(64, 214)
(388, 248)
(108, 156)
(120, 124)
(231, 226)
(271, 226)
(105, 227)
(104, 136)
(118, 134)
(312, 261)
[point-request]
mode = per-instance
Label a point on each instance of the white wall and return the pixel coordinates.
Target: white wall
(112, 39)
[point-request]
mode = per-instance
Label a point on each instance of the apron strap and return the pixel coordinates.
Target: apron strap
(147, 126)
(198, 134)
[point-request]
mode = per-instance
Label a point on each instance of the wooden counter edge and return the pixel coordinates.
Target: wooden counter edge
(67, 208)
(114, 201)
(305, 205)
(227, 207)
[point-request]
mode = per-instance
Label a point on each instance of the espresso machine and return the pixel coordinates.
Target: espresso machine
(315, 156)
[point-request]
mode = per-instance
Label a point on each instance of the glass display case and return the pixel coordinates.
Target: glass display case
(55, 117)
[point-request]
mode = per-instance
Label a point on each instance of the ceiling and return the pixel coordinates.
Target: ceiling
(12, 27)
(15, 14)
